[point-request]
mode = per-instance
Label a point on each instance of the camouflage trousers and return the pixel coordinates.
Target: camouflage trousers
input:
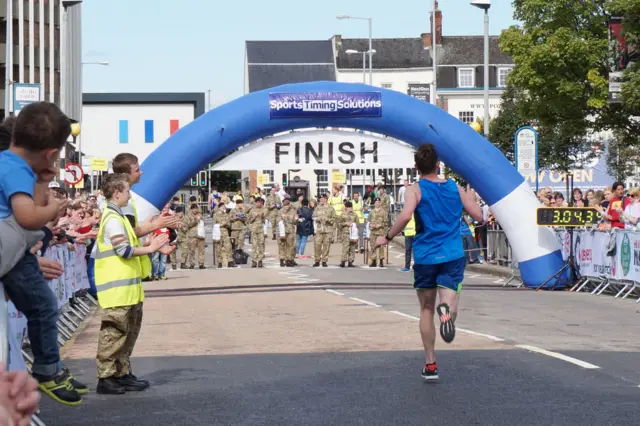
(188, 251)
(223, 248)
(238, 239)
(348, 249)
(321, 246)
(272, 218)
(173, 256)
(257, 245)
(287, 246)
(118, 334)
(377, 254)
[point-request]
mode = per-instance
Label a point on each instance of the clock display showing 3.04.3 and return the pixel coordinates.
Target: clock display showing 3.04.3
(567, 216)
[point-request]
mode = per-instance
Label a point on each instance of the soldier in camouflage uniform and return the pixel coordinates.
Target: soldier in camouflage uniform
(273, 206)
(287, 246)
(223, 247)
(348, 218)
(190, 229)
(180, 237)
(238, 227)
(325, 218)
(378, 224)
(384, 199)
(255, 221)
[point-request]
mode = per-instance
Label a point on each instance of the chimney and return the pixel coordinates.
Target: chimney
(438, 32)
(337, 43)
(426, 40)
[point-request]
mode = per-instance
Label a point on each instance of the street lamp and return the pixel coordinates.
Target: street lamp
(75, 132)
(364, 61)
(96, 63)
(485, 5)
(370, 42)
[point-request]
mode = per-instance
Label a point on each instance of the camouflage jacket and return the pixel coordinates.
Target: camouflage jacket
(256, 218)
(290, 218)
(346, 220)
(325, 217)
(378, 220)
(190, 225)
(236, 223)
(221, 217)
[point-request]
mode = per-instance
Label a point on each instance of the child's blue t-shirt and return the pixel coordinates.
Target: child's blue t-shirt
(16, 177)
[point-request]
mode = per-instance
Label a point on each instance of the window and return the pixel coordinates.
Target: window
(466, 77)
(502, 76)
(124, 131)
(466, 116)
(148, 131)
(322, 183)
(386, 85)
(270, 173)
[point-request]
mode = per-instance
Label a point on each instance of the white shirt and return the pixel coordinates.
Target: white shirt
(632, 210)
(401, 193)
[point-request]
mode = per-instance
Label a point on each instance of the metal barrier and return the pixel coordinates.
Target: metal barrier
(602, 266)
(74, 309)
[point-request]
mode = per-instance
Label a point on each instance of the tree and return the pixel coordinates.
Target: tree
(629, 11)
(561, 77)
(509, 119)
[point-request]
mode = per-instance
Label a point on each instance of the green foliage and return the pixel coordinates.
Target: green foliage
(560, 83)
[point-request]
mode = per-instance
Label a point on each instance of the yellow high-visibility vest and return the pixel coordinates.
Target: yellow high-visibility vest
(410, 229)
(145, 261)
(337, 203)
(118, 280)
(357, 207)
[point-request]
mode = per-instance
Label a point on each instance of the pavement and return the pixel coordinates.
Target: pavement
(318, 346)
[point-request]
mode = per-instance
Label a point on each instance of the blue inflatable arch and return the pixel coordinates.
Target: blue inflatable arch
(413, 121)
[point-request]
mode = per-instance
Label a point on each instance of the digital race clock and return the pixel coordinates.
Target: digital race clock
(567, 216)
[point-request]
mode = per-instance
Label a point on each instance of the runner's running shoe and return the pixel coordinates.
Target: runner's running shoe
(447, 328)
(430, 372)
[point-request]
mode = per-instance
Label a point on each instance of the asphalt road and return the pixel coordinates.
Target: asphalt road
(249, 349)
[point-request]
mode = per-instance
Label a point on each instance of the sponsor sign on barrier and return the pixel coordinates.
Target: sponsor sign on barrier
(325, 105)
(592, 259)
(74, 278)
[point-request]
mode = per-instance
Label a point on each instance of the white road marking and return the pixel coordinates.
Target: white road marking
(499, 281)
(337, 293)
(475, 333)
(402, 314)
(560, 356)
(473, 276)
(366, 302)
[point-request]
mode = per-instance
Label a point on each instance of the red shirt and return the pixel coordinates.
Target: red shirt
(615, 216)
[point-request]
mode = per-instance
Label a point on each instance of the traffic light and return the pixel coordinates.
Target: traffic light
(203, 178)
(194, 181)
(284, 179)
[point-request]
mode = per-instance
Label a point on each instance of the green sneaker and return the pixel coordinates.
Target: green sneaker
(59, 388)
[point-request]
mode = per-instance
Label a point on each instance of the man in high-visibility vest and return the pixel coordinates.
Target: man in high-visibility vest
(118, 276)
(336, 200)
(358, 208)
(409, 232)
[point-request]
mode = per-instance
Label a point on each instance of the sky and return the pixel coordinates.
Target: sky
(198, 45)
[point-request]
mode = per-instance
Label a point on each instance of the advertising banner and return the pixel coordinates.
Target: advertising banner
(420, 91)
(317, 105)
(320, 149)
(628, 257)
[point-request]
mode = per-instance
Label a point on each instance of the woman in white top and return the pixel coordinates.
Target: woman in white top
(631, 214)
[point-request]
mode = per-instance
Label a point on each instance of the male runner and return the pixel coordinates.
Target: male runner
(437, 248)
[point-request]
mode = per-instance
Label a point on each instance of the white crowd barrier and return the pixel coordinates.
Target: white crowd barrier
(73, 309)
(606, 262)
